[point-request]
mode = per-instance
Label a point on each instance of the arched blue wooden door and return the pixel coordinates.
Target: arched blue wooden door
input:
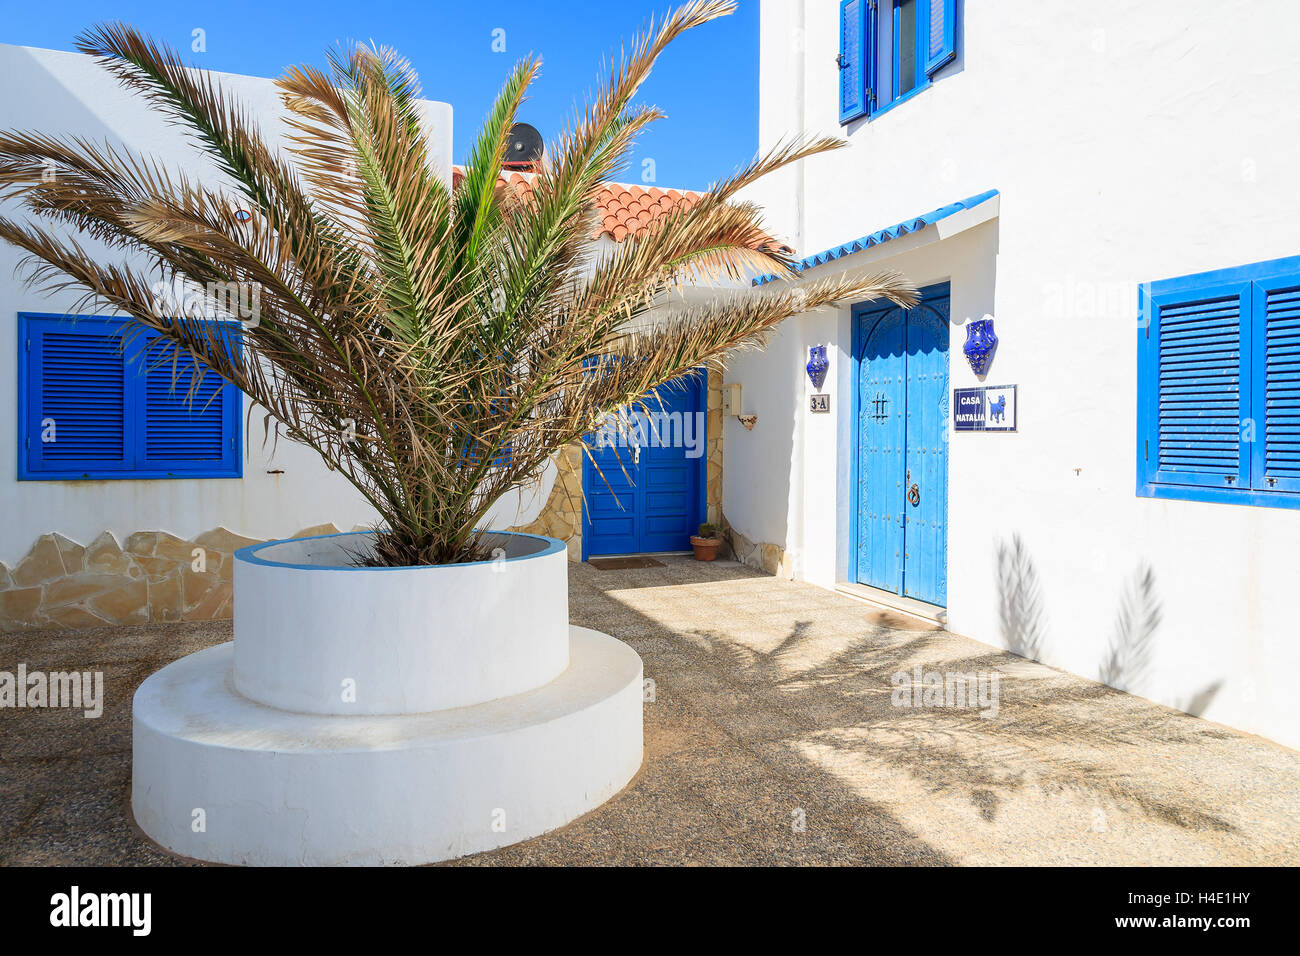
(648, 496)
(902, 454)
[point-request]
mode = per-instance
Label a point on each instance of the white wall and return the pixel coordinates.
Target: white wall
(1130, 142)
(67, 93)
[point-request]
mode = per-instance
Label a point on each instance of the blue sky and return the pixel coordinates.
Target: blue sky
(707, 82)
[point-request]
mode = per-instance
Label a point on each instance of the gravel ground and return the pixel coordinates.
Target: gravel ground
(772, 739)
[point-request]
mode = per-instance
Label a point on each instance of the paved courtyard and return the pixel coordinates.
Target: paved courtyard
(772, 738)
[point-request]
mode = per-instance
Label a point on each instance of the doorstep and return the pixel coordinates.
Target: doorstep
(894, 602)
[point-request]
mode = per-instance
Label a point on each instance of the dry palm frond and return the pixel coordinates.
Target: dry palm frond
(435, 348)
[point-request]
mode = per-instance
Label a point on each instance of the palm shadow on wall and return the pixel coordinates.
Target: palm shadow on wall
(1129, 658)
(1020, 602)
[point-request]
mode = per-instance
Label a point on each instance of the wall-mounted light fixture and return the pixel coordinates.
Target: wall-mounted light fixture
(980, 344)
(731, 399)
(817, 366)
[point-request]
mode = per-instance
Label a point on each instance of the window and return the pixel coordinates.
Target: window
(890, 49)
(1219, 386)
(904, 47)
(90, 407)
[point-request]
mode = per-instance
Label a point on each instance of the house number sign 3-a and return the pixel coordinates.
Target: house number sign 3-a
(819, 403)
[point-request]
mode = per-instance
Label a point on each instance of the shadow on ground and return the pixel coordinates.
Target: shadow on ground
(774, 735)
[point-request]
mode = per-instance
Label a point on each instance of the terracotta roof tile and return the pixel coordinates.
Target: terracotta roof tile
(621, 209)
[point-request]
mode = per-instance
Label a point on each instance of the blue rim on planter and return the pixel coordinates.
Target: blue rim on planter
(248, 553)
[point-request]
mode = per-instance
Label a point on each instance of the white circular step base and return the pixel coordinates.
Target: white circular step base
(219, 777)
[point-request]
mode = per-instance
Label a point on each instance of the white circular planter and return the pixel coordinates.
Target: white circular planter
(385, 715)
(317, 635)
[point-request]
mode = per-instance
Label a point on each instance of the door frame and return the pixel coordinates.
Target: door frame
(858, 342)
(699, 385)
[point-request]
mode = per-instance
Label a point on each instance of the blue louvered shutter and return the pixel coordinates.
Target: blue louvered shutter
(183, 432)
(114, 414)
(77, 395)
(852, 59)
(941, 41)
(1277, 389)
(1201, 350)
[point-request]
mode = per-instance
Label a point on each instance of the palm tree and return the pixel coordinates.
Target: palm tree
(435, 347)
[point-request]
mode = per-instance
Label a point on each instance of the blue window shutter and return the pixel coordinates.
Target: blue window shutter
(852, 59)
(76, 385)
(115, 414)
(1196, 383)
(941, 44)
(1277, 384)
(182, 433)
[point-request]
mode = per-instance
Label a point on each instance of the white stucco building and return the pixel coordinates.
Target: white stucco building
(1139, 524)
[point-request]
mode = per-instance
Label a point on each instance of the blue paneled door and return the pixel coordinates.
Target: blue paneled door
(648, 494)
(902, 447)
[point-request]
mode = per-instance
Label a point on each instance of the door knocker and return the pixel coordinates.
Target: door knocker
(914, 495)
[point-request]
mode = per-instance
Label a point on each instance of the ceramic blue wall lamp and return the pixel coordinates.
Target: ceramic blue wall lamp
(817, 366)
(980, 344)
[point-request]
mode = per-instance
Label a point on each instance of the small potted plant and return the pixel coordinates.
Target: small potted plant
(706, 543)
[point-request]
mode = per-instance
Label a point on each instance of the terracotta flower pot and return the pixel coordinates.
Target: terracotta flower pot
(706, 549)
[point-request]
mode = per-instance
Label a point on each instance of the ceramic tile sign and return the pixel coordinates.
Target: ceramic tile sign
(820, 403)
(989, 408)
